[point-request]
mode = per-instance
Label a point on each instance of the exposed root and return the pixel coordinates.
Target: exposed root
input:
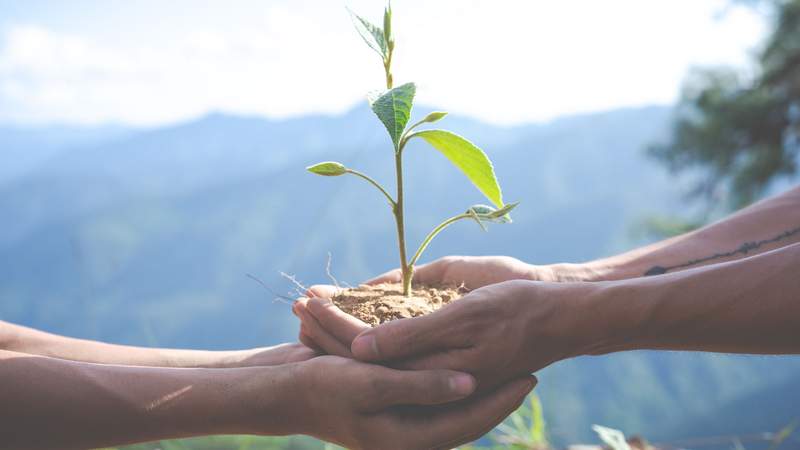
(300, 290)
(328, 272)
(278, 297)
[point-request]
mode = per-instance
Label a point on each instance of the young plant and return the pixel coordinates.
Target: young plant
(393, 108)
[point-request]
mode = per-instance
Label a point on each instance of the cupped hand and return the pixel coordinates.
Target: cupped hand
(496, 332)
(471, 271)
(365, 406)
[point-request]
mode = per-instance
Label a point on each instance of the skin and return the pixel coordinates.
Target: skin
(520, 318)
(358, 405)
(21, 339)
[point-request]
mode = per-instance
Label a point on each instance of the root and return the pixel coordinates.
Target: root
(328, 272)
(300, 290)
(278, 297)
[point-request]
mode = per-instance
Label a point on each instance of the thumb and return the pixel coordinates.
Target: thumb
(402, 338)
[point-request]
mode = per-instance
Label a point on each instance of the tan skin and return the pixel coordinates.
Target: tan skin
(88, 394)
(520, 318)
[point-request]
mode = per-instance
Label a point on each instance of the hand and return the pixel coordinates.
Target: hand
(364, 406)
(473, 271)
(496, 332)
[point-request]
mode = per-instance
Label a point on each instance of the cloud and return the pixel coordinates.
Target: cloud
(505, 61)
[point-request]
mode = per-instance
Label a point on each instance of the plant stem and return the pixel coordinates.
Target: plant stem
(374, 183)
(387, 68)
(433, 234)
(405, 268)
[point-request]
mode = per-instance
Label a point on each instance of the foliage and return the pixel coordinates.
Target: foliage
(525, 429)
(393, 108)
(614, 439)
(742, 131)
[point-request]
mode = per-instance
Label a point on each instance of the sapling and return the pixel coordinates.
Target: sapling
(393, 108)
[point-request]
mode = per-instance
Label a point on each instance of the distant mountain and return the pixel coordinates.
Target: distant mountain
(145, 236)
(24, 148)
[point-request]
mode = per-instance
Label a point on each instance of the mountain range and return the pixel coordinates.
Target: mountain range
(146, 236)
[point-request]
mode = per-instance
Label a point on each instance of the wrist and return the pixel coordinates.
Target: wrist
(570, 272)
(616, 314)
(230, 359)
(274, 399)
(251, 400)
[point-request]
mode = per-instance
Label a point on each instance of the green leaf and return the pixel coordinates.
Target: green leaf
(393, 108)
(490, 214)
(430, 118)
(328, 169)
(468, 158)
(387, 23)
(372, 35)
(433, 117)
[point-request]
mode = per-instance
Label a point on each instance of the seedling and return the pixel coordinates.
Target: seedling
(393, 108)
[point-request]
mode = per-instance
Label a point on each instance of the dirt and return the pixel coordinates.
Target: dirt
(381, 303)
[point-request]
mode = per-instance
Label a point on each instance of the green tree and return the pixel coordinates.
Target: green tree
(741, 130)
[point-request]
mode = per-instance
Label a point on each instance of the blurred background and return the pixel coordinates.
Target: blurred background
(152, 155)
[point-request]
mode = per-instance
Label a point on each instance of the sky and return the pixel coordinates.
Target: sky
(153, 62)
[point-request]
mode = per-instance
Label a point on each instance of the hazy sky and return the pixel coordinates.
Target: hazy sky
(505, 61)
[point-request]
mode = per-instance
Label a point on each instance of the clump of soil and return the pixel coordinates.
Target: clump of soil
(381, 303)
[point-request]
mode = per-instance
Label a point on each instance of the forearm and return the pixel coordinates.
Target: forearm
(764, 226)
(52, 403)
(26, 340)
(751, 305)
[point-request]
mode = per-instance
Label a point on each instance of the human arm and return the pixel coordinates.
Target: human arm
(750, 305)
(769, 224)
(22, 339)
(52, 403)
(766, 225)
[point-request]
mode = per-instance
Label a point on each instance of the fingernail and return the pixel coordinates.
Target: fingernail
(294, 308)
(462, 384)
(366, 347)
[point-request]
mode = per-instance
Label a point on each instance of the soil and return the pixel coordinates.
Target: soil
(381, 303)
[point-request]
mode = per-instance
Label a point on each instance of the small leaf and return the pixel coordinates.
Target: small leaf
(433, 117)
(490, 214)
(372, 35)
(393, 108)
(482, 210)
(477, 218)
(328, 169)
(387, 23)
(469, 159)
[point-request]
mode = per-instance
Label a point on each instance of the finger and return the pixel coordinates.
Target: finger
(298, 306)
(298, 353)
(322, 291)
(309, 342)
(458, 359)
(327, 342)
(469, 420)
(422, 387)
(405, 338)
(336, 322)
